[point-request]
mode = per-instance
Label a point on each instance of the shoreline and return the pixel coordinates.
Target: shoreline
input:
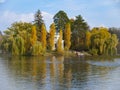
(65, 53)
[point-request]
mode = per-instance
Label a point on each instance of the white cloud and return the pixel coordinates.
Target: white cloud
(7, 18)
(2, 1)
(12, 17)
(48, 18)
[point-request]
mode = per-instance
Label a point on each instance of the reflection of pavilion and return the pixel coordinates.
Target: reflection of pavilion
(56, 40)
(56, 70)
(57, 67)
(58, 73)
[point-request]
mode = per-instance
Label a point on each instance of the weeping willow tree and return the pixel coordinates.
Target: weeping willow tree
(37, 49)
(21, 39)
(19, 42)
(102, 42)
(115, 43)
(87, 39)
(5, 45)
(14, 45)
(111, 44)
(15, 49)
(98, 39)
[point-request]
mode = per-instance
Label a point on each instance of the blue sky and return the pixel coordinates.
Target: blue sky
(95, 12)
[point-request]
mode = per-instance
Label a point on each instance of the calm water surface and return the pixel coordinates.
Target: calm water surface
(59, 73)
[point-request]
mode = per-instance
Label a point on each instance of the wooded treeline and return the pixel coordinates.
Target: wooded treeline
(24, 38)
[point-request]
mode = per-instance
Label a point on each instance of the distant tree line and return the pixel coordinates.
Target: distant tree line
(24, 38)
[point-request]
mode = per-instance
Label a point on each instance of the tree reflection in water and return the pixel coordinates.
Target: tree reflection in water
(57, 72)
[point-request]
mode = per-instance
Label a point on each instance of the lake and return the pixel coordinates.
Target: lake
(59, 73)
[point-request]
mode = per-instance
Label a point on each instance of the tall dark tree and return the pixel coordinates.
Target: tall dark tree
(38, 21)
(79, 28)
(38, 18)
(80, 24)
(60, 20)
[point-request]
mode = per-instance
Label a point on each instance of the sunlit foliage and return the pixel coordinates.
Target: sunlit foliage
(103, 42)
(43, 36)
(67, 36)
(24, 38)
(51, 36)
(87, 40)
(59, 43)
(21, 39)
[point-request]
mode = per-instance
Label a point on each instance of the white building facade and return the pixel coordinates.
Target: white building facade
(56, 41)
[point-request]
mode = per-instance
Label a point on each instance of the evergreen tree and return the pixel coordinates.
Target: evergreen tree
(38, 22)
(38, 19)
(79, 28)
(60, 20)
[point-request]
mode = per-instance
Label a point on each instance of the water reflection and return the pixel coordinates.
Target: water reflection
(59, 73)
